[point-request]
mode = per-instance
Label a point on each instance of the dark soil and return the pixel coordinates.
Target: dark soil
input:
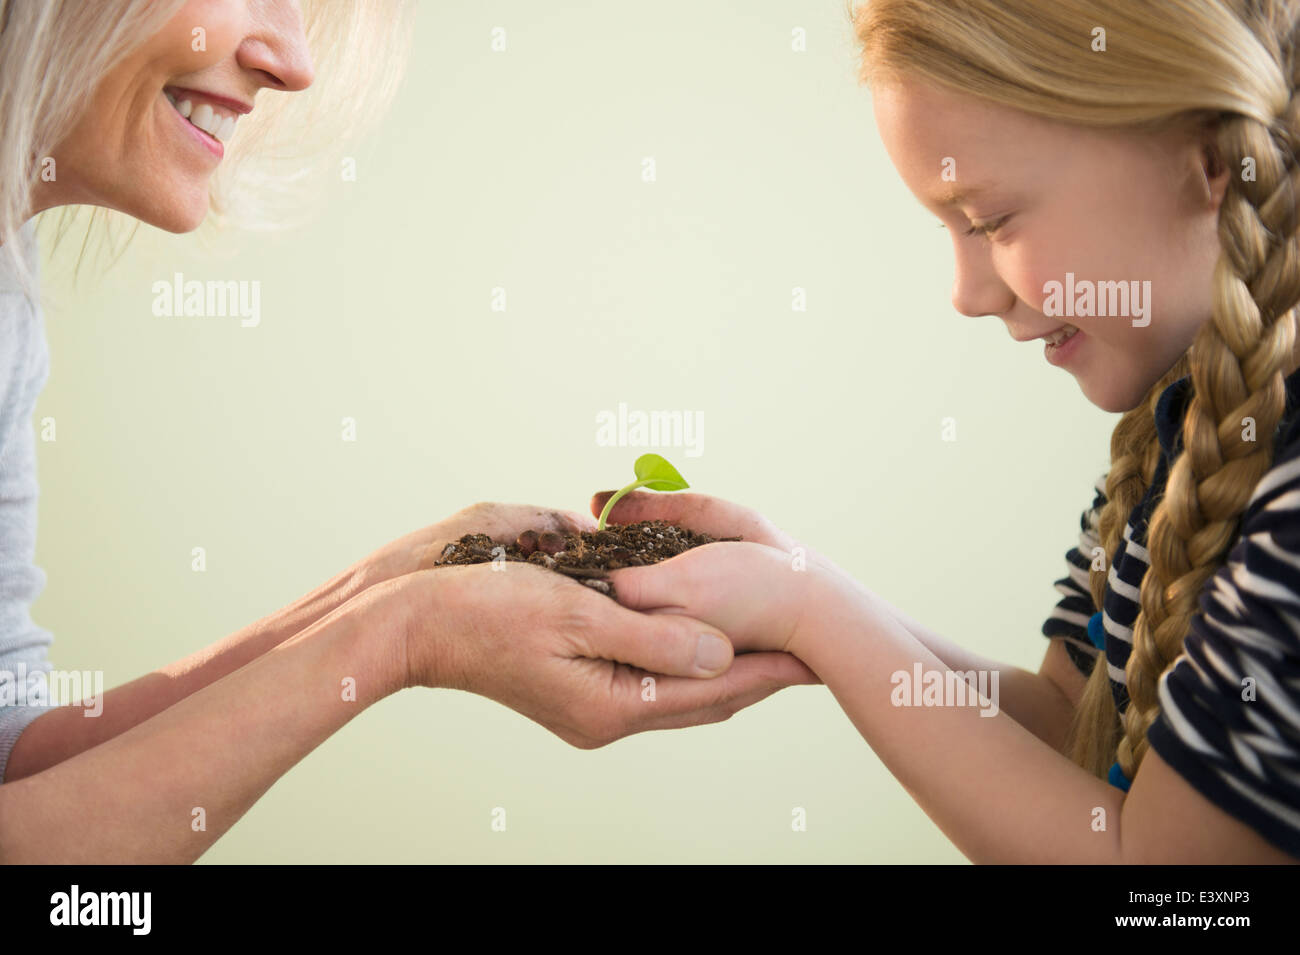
(586, 557)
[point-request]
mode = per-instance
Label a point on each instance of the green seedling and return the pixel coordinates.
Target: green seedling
(652, 472)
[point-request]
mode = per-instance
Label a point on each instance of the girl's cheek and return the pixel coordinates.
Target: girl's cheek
(1030, 279)
(1040, 276)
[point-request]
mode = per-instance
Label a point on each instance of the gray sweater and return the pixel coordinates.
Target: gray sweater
(24, 367)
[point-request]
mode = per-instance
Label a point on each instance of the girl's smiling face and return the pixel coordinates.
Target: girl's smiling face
(135, 150)
(1049, 199)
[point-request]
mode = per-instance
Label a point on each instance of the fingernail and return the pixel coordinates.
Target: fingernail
(712, 652)
(550, 542)
(526, 542)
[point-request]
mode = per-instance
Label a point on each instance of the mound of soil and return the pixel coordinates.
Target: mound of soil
(588, 556)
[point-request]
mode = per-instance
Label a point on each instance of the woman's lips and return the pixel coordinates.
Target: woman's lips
(216, 100)
(214, 119)
(204, 139)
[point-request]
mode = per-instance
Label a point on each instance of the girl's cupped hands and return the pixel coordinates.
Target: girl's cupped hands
(766, 592)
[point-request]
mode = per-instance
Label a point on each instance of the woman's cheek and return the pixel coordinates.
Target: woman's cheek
(201, 33)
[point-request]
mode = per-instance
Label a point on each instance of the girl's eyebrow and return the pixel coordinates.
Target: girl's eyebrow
(953, 196)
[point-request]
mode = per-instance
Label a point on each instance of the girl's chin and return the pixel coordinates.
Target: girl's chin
(1110, 396)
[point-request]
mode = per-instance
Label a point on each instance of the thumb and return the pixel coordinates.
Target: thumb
(669, 584)
(669, 644)
(639, 506)
(700, 512)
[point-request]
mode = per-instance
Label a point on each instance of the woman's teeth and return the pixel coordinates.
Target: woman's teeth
(1059, 337)
(216, 123)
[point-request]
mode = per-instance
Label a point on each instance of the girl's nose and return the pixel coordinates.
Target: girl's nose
(976, 288)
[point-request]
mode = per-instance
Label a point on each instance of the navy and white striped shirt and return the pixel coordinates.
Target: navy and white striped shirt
(1229, 720)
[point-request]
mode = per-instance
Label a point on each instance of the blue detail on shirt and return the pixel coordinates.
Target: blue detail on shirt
(1097, 631)
(1117, 778)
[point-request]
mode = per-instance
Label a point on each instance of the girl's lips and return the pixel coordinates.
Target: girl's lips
(1061, 354)
(212, 144)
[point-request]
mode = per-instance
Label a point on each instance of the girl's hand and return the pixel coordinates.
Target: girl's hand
(502, 522)
(699, 512)
(715, 517)
(572, 659)
(752, 592)
(759, 590)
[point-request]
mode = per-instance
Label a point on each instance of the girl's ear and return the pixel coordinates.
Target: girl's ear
(1212, 173)
(1216, 175)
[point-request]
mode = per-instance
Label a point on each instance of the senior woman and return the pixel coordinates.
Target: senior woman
(132, 105)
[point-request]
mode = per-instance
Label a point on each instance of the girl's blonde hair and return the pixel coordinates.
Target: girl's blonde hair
(54, 53)
(1165, 64)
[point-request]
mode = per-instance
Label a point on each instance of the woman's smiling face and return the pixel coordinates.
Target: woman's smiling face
(1052, 199)
(134, 151)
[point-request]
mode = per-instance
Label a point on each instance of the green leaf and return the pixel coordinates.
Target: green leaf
(653, 472)
(657, 474)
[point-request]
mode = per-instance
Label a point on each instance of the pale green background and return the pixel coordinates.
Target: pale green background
(523, 170)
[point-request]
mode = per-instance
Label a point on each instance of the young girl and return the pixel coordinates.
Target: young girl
(1119, 181)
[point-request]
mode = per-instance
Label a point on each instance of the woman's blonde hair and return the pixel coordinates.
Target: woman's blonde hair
(1164, 63)
(52, 52)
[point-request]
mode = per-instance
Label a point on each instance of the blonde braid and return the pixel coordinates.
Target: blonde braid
(1238, 364)
(1134, 456)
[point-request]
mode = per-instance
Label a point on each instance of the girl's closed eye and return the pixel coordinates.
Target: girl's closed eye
(987, 229)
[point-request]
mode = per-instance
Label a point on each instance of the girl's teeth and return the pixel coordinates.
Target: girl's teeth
(185, 107)
(1062, 335)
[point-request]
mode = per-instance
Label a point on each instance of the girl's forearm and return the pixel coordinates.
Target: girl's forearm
(1033, 701)
(1001, 794)
(65, 731)
(166, 789)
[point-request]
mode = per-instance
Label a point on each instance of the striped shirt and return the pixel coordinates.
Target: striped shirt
(1229, 720)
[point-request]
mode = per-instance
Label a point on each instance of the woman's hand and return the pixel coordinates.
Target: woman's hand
(502, 522)
(573, 660)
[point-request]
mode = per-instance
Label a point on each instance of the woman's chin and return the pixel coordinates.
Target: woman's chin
(177, 217)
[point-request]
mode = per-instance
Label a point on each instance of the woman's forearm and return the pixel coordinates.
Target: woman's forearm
(166, 789)
(65, 731)
(998, 791)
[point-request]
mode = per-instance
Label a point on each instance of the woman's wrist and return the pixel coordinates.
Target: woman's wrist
(383, 565)
(412, 610)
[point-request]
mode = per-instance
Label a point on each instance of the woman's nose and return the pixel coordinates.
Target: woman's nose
(278, 48)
